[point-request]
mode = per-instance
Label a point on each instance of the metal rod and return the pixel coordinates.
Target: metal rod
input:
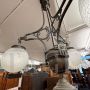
(60, 9)
(49, 20)
(62, 16)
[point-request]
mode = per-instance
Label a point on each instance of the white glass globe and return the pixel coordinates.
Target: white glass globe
(14, 60)
(84, 7)
(74, 58)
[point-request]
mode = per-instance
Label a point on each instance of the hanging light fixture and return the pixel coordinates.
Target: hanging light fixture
(84, 7)
(59, 49)
(15, 59)
(74, 58)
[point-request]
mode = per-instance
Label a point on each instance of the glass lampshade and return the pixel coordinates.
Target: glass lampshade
(84, 7)
(74, 58)
(14, 59)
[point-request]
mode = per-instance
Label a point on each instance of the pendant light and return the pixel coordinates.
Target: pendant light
(74, 58)
(14, 59)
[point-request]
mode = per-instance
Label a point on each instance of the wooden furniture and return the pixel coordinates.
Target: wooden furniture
(1, 75)
(7, 83)
(48, 82)
(26, 82)
(34, 81)
(51, 82)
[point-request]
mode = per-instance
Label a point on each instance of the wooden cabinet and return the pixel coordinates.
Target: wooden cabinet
(1, 74)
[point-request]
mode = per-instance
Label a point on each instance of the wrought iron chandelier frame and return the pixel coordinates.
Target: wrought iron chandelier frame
(50, 29)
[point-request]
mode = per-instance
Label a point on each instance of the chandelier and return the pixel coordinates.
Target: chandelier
(59, 49)
(14, 59)
(58, 54)
(52, 31)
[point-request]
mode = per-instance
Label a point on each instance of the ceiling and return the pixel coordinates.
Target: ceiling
(28, 18)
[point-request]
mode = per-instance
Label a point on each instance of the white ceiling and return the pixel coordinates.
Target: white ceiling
(80, 39)
(72, 18)
(28, 18)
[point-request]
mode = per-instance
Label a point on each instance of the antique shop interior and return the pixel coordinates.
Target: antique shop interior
(44, 44)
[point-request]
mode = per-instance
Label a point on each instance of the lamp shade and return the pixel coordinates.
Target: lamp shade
(14, 60)
(74, 59)
(84, 7)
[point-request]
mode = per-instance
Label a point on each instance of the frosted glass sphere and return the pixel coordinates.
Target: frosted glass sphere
(74, 58)
(84, 7)
(14, 60)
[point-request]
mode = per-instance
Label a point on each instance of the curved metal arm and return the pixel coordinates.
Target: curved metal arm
(60, 15)
(25, 39)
